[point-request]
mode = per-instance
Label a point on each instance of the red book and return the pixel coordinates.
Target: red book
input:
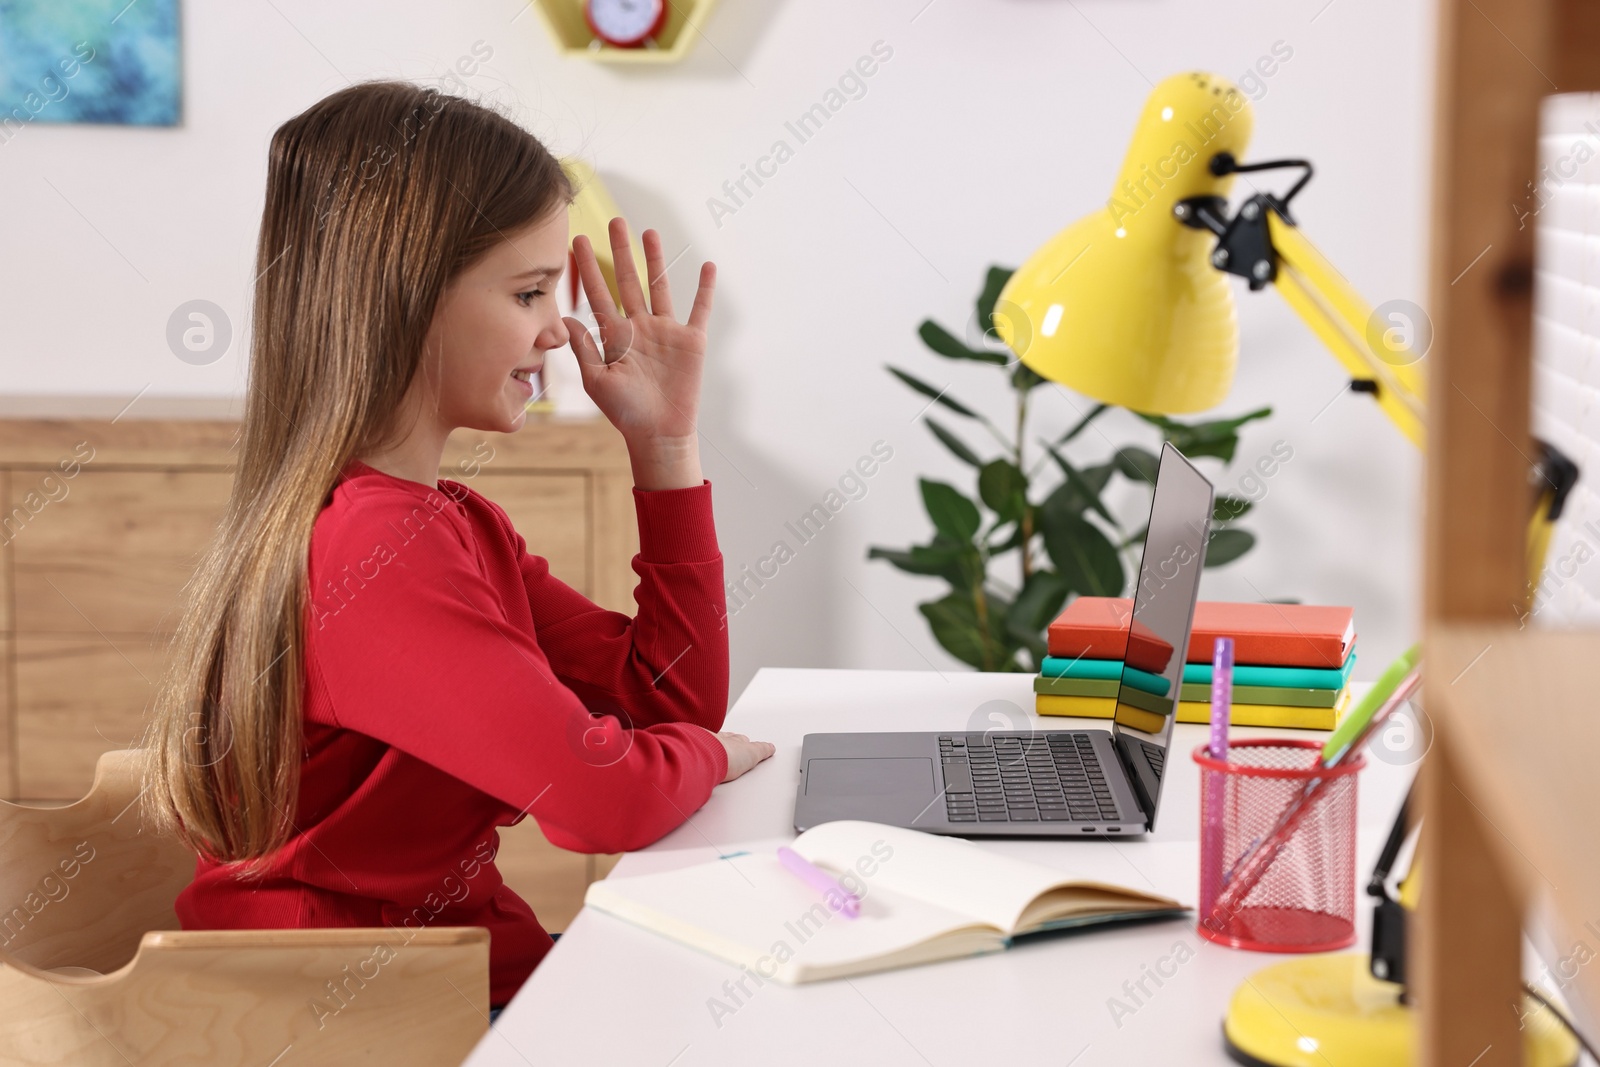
(1266, 635)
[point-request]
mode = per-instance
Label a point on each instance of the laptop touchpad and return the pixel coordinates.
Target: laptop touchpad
(870, 776)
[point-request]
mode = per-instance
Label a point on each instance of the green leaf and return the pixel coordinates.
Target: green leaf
(953, 514)
(1023, 378)
(958, 564)
(897, 556)
(1037, 647)
(918, 560)
(1004, 488)
(955, 627)
(1086, 560)
(1099, 475)
(1217, 438)
(954, 621)
(1229, 507)
(993, 282)
(1227, 545)
(1037, 606)
(1082, 493)
(945, 343)
(1083, 423)
(1137, 463)
(953, 443)
(1014, 538)
(937, 394)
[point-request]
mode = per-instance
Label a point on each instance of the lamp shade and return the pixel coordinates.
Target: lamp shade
(1124, 305)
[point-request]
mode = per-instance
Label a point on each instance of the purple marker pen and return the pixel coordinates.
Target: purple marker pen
(1221, 696)
(839, 898)
(1221, 705)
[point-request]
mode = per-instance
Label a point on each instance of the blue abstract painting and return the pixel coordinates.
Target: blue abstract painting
(102, 61)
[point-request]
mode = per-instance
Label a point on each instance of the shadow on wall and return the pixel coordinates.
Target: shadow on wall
(781, 611)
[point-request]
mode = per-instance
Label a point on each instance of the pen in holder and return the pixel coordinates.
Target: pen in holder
(1212, 815)
(1279, 874)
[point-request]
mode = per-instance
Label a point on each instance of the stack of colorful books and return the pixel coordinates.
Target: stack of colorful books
(1291, 662)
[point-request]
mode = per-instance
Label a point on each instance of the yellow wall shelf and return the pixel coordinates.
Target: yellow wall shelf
(564, 19)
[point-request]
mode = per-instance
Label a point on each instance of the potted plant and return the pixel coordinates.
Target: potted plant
(1065, 540)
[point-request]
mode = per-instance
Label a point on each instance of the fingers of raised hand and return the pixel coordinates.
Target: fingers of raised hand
(632, 292)
(622, 265)
(594, 280)
(655, 263)
(700, 313)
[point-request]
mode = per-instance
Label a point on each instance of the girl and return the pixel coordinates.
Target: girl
(372, 672)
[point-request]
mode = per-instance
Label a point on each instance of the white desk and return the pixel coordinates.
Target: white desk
(613, 994)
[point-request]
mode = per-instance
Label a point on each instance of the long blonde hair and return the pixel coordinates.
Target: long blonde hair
(376, 197)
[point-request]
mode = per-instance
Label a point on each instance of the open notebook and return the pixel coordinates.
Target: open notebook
(923, 898)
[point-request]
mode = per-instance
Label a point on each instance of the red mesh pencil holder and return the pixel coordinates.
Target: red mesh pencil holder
(1277, 847)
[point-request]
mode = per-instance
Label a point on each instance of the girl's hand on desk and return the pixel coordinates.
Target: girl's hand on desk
(647, 379)
(743, 753)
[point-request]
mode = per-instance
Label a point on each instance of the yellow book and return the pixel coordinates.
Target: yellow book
(1140, 719)
(1286, 715)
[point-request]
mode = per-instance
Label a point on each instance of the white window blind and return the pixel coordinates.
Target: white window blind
(1562, 202)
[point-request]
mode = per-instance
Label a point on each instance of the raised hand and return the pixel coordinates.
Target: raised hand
(645, 377)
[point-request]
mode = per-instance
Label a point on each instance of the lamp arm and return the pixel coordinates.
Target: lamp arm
(1342, 320)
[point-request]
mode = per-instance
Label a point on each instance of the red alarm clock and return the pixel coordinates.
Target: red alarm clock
(625, 23)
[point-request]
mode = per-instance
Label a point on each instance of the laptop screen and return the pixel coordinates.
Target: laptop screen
(1158, 632)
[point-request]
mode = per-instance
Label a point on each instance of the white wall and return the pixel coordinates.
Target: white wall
(993, 124)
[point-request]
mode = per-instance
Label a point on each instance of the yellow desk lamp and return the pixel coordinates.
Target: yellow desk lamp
(1130, 306)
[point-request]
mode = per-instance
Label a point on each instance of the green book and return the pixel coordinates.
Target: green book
(1148, 701)
(1076, 687)
(1268, 694)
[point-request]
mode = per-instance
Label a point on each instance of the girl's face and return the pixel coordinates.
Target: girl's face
(492, 327)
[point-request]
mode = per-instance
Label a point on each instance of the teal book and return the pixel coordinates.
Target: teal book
(1200, 673)
(1193, 692)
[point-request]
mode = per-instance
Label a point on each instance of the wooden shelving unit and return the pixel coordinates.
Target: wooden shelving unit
(1508, 793)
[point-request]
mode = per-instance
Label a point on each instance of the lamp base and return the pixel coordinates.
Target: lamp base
(1317, 1010)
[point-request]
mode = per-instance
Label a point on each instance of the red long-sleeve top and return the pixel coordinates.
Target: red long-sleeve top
(452, 685)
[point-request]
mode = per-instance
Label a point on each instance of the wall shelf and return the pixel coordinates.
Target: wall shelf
(564, 19)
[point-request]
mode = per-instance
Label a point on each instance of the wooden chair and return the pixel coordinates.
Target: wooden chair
(94, 971)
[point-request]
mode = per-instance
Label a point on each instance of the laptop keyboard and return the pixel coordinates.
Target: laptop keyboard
(1024, 777)
(1156, 756)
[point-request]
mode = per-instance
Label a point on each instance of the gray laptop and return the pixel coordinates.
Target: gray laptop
(1046, 783)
